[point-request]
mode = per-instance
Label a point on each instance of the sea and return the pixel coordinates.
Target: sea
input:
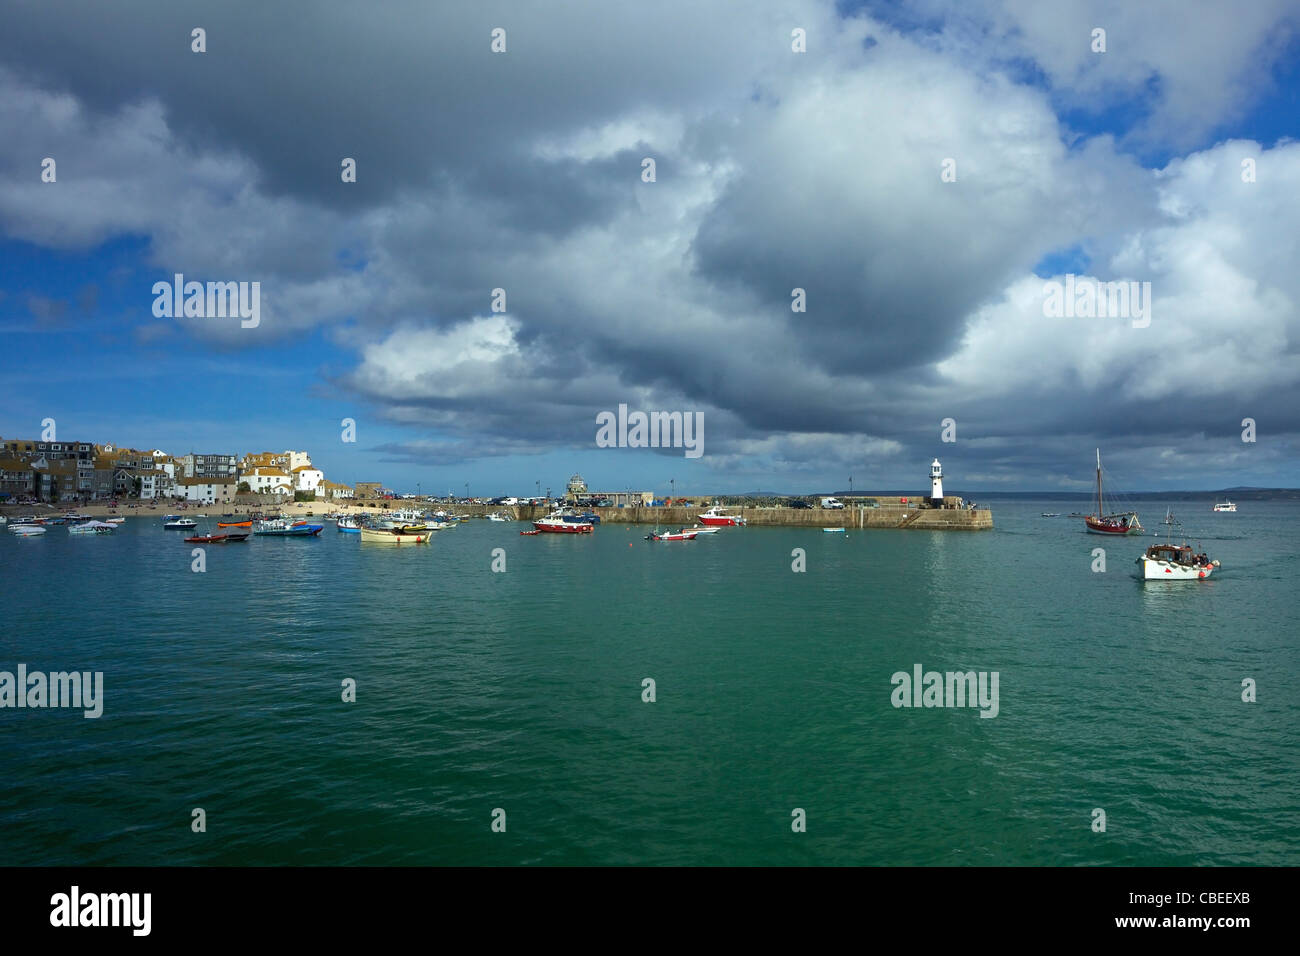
(497, 699)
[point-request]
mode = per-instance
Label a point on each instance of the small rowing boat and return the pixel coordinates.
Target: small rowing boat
(235, 524)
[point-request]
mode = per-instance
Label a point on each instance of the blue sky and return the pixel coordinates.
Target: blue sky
(776, 170)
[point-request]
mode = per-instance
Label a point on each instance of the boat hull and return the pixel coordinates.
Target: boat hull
(385, 536)
(561, 527)
(1153, 570)
(716, 522)
(1094, 526)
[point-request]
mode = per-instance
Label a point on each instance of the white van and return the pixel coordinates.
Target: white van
(832, 503)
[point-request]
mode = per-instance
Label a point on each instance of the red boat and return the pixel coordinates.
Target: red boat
(1125, 522)
(216, 538)
(717, 515)
(554, 523)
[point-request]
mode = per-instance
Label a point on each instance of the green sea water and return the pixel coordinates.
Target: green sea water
(522, 691)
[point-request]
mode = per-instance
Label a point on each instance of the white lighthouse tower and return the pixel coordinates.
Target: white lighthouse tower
(936, 484)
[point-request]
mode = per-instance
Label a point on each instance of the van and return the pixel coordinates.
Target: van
(832, 503)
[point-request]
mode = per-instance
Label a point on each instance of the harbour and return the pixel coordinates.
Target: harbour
(480, 688)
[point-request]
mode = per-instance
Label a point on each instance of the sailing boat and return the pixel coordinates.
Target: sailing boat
(1120, 522)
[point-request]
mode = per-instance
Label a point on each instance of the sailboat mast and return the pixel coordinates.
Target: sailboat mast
(1099, 511)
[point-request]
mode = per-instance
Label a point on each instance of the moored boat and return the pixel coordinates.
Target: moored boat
(719, 516)
(235, 524)
(556, 523)
(92, 527)
(681, 534)
(206, 539)
(1225, 506)
(833, 531)
(283, 528)
(349, 525)
(395, 536)
(180, 523)
(26, 530)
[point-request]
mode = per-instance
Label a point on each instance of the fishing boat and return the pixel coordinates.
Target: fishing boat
(1225, 506)
(720, 517)
(395, 536)
(235, 524)
(282, 528)
(681, 534)
(180, 523)
(92, 527)
(1119, 522)
(1174, 562)
(555, 523)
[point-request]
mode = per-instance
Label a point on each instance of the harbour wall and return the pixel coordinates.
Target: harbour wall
(924, 519)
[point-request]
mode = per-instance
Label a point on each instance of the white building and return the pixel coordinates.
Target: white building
(206, 490)
(267, 481)
(156, 484)
(306, 478)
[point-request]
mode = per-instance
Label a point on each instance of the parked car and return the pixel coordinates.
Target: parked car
(797, 503)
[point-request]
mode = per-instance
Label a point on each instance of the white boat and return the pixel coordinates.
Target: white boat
(115, 520)
(1174, 562)
(832, 530)
(497, 516)
(92, 527)
(3, 520)
(684, 534)
(27, 530)
(1225, 506)
(180, 523)
(702, 529)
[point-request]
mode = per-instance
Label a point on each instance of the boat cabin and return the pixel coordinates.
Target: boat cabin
(1174, 554)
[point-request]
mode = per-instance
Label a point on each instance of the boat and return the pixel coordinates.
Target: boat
(115, 520)
(349, 525)
(557, 523)
(701, 529)
(719, 516)
(93, 527)
(282, 528)
(1053, 514)
(395, 536)
(205, 539)
(534, 531)
(1120, 522)
(235, 524)
(1225, 506)
(180, 523)
(497, 516)
(1174, 562)
(832, 530)
(27, 530)
(681, 534)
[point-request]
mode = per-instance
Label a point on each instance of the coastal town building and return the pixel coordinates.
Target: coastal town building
(370, 489)
(206, 490)
(207, 466)
(268, 480)
(307, 479)
(333, 489)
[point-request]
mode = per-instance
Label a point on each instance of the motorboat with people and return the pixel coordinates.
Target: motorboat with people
(682, 534)
(1174, 562)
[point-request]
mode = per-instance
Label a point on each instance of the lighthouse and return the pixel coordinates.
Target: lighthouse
(936, 484)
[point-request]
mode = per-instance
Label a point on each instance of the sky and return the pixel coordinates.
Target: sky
(925, 172)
